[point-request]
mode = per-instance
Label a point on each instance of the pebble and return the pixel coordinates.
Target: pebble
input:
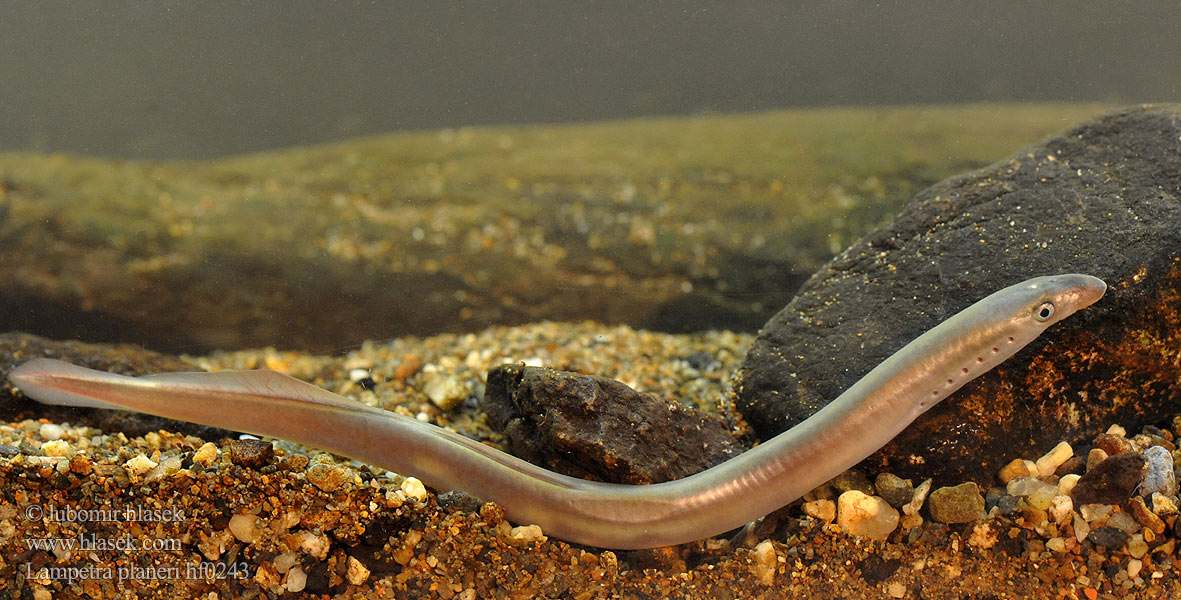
(51, 431)
(766, 562)
(1108, 537)
(1159, 478)
(206, 454)
(852, 479)
(251, 453)
(1049, 463)
(1056, 544)
(822, 509)
(1061, 507)
(243, 526)
(1163, 505)
(1113, 444)
(55, 448)
(138, 465)
(1067, 482)
(1094, 457)
(1111, 481)
(957, 504)
(326, 474)
(1123, 521)
(356, 573)
(893, 489)
(1145, 516)
(414, 488)
(446, 391)
(1016, 469)
(297, 579)
(864, 515)
(1137, 547)
(1134, 567)
(527, 533)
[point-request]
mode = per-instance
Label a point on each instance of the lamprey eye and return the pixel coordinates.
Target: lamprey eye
(1044, 311)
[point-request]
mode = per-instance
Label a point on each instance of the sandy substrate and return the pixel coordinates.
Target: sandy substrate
(170, 515)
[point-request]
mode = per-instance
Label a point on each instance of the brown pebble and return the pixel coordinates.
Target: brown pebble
(1111, 481)
(81, 464)
(1145, 516)
(1095, 456)
(1113, 444)
(1075, 464)
(1014, 470)
(251, 454)
(956, 504)
(410, 365)
(295, 462)
(893, 489)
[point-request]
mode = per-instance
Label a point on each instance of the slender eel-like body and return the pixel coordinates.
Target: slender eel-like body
(844, 432)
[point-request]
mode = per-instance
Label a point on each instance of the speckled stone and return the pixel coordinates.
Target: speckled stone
(599, 428)
(957, 504)
(853, 479)
(1108, 537)
(894, 489)
(1111, 481)
(251, 453)
(1160, 476)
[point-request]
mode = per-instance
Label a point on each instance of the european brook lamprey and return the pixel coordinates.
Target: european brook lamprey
(728, 495)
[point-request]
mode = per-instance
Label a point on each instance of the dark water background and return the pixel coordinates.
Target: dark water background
(176, 79)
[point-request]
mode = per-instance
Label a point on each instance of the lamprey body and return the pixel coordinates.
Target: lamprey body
(782, 469)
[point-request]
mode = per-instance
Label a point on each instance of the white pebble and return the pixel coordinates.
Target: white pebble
(296, 579)
(446, 391)
(1067, 483)
(1117, 430)
(823, 510)
(357, 573)
(868, 516)
(206, 454)
(243, 527)
(1061, 507)
(1163, 505)
(1160, 477)
(1056, 544)
(1046, 465)
(51, 431)
(55, 448)
(414, 488)
(766, 562)
(139, 464)
(527, 533)
(1134, 566)
(1081, 528)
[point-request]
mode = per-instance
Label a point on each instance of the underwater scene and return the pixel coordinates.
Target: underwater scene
(556, 300)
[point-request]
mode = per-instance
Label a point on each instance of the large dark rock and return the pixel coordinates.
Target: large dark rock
(1103, 199)
(599, 428)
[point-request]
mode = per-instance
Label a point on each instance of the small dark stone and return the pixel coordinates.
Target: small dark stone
(1111, 481)
(852, 479)
(895, 490)
(6, 450)
(1074, 464)
(1008, 504)
(459, 500)
(367, 383)
(27, 449)
(1108, 537)
(251, 454)
(703, 361)
(875, 569)
(1113, 444)
(598, 428)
